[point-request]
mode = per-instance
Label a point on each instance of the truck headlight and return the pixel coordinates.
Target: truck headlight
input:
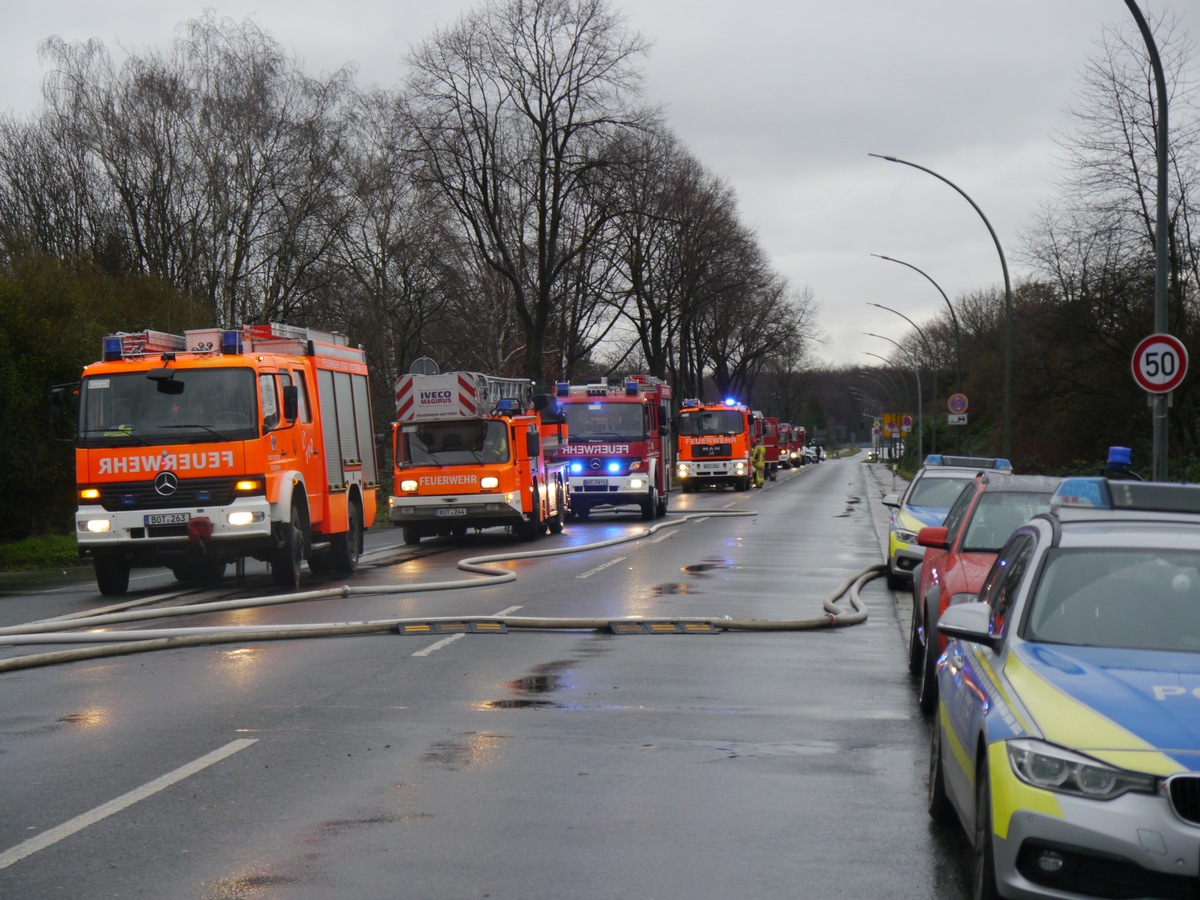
(740, 467)
(489, 483)
(97, 526)
(242, 517)
(409, 486)
(684, 470)
(636, 484)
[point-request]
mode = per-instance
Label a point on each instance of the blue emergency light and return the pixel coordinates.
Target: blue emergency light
(576, 468)
(506, 404)
(614, 467)
(112, 348)
(730, 401)
(562, 388)
(631, 389)
(1103, 493)
(231, 342)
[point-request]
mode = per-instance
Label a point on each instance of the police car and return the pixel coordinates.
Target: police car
(1067, 734)
(926, 501)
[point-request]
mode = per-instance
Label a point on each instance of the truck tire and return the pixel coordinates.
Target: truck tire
(662, 504)
(112, 574)
(345, 548)
(650, 505)
(412, 535)
(286, 560)
(558, 520)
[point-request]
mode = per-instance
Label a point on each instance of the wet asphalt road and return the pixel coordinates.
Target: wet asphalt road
(549, 764)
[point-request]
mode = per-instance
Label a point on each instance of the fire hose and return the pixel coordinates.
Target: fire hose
(117, 643)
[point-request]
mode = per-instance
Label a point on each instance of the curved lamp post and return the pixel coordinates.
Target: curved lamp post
(1008, 298)
(1159, 402)
(917, 373)
(953, 317)
(932, 356)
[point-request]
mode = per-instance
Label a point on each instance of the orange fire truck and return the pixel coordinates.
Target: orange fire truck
(714, 443)
(475, 451)
(199, 449)
(619, 450)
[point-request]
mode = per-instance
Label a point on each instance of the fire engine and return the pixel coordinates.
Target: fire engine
(771, 443)
(475, 451)
(714, 442)
(619, 451)
(199, 449)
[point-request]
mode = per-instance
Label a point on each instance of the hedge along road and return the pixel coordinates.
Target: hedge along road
(526, 764)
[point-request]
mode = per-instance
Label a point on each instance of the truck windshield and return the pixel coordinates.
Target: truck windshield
(202, 405)
(461, 442)
(599, 420)
(700, 422)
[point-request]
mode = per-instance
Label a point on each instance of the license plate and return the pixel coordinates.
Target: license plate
(168, 519)
(450, 512)
(595, 482)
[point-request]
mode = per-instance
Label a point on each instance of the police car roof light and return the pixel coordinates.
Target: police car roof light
(1100, 493)
(975, 462)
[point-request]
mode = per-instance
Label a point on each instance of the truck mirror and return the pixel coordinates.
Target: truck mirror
(165, 382)
(533, 444)
(291, 402)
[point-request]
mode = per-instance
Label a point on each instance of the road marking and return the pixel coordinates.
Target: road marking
(447, 641)
(662, 537)
(65, 830)
(591, 572)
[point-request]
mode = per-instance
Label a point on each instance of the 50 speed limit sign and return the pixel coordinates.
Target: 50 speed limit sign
(1160, 363)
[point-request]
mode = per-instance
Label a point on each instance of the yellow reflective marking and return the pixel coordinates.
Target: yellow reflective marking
(1066, 721)
(1011, 795)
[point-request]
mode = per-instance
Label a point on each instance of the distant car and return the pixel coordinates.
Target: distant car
(812, 454)
(926, 501)
(959, 553)
(1067, 736)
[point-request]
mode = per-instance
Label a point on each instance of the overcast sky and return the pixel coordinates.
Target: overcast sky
(784, 99)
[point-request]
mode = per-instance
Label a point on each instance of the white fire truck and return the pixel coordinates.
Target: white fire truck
(475, 451)
(619, 448)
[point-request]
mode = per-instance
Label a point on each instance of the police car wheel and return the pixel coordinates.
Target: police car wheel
(985, 862)
(938, 801)
(916, 650)
(927, 692)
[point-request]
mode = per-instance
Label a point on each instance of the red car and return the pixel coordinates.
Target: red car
(958, 555)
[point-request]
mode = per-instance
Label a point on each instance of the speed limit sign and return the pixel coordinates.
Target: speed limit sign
(1159, 363)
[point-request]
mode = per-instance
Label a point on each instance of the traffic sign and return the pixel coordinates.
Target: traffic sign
(956, 419)
(957, 403)
(1159, 363)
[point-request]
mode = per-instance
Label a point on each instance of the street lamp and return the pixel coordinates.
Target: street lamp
(1008, 298)
(953, 317)
(1161, 248)
(932, 356)
(917, 373)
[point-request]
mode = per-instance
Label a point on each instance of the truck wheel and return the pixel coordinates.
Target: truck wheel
(412, 535)
(285, 562)
(743, 484)
(558, 521)
(345, 548)
(650, 505)
(112, 574)
(662, 504)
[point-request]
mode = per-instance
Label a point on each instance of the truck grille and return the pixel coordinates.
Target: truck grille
(191, 492)
(711, 451)
(1185, 797)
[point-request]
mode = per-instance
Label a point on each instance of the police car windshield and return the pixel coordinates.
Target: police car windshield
(604, 421)
(1146, 599)
(697, 423)
(938, 492)
(203, 404)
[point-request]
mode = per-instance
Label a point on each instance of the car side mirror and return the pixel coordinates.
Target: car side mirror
(935, 536)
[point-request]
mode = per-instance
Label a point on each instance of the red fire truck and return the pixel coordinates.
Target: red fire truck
(475, 451)
(619, 449)
(199, 449)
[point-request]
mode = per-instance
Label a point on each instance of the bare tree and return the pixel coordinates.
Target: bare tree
(512, 110)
